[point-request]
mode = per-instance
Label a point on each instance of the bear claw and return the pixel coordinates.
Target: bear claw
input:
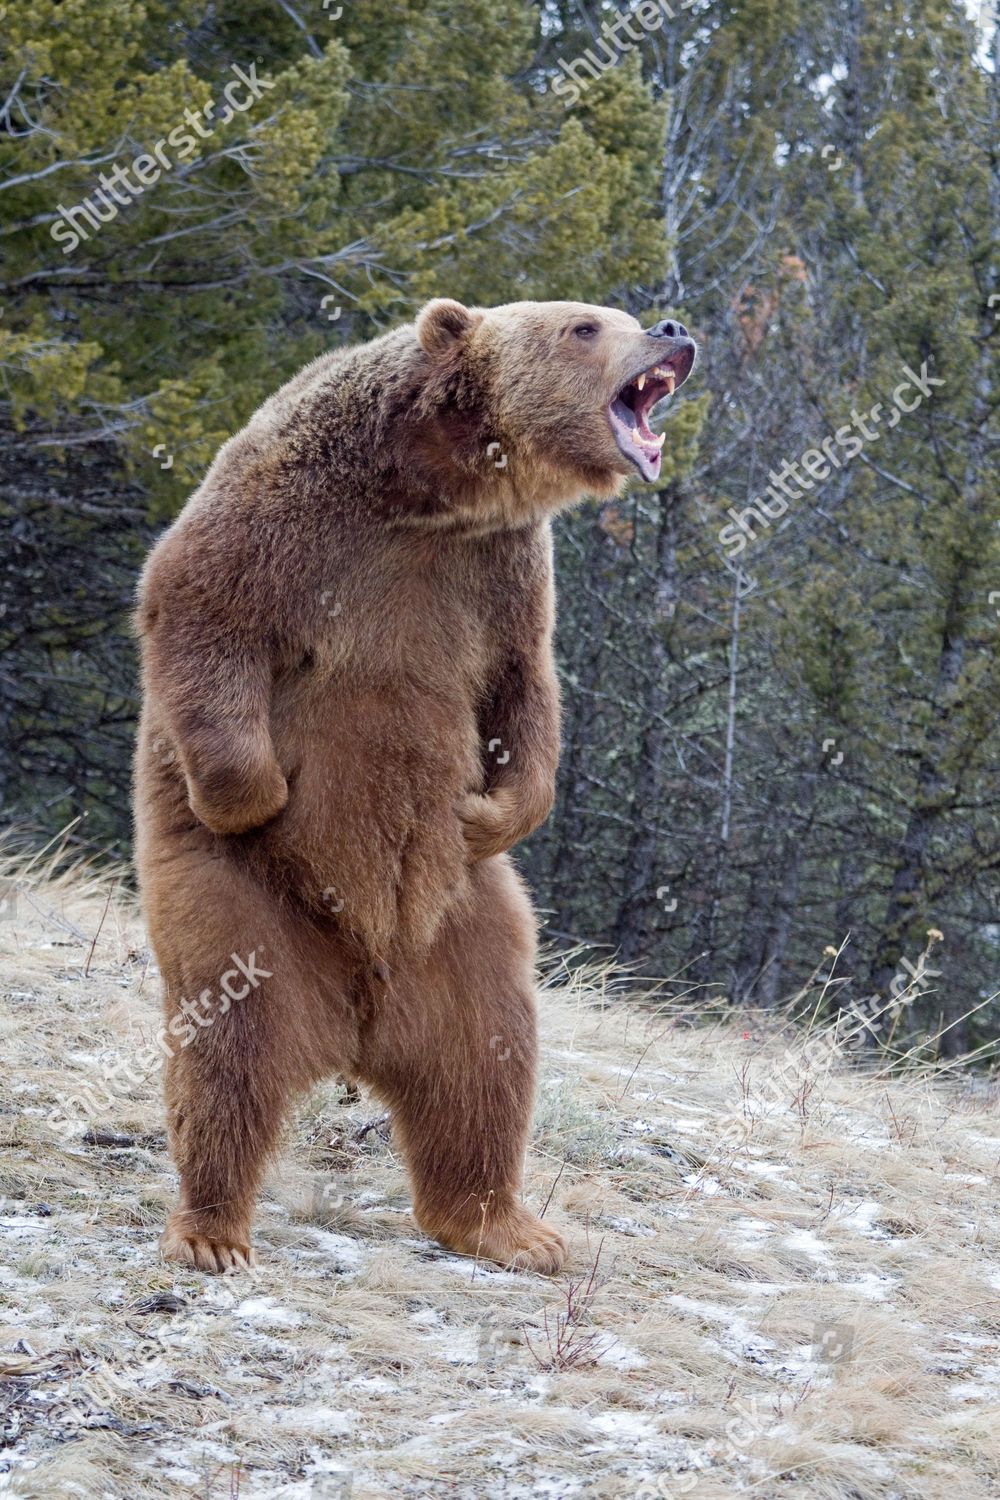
(545, 1251)
(203, 1253)
(516, 1240)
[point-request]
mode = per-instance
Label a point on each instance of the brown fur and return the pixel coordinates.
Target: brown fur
(352, 607)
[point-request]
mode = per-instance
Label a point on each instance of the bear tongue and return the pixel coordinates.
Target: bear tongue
(643, 448)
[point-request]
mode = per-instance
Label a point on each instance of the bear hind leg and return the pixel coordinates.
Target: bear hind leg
(452, 1048)
(224, 1119)
(259, 1009)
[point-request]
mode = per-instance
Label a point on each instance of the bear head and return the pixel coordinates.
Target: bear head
(530, 406)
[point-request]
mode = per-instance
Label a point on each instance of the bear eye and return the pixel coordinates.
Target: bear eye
(585, 330)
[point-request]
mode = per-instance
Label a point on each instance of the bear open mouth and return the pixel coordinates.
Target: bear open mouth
(628, 413)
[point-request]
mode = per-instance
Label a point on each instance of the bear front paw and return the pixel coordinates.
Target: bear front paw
(238, 807)
(487, 824)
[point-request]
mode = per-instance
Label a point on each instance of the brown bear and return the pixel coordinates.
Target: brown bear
(350, 715)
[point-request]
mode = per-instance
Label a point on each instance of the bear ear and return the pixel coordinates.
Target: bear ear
(443, 323)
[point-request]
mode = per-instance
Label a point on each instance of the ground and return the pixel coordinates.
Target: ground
(785, 1278)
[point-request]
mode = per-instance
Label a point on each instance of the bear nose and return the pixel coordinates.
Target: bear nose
(667, 329)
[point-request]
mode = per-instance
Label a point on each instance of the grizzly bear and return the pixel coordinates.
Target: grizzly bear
(350, 715)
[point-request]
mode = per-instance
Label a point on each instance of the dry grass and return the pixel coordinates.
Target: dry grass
(811, 1311)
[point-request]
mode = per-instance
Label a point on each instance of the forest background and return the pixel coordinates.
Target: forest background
(779, 661)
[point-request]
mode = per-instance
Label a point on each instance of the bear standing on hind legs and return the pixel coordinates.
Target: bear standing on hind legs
(350, 715)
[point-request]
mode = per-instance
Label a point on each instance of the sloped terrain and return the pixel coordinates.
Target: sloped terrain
(785, 1277)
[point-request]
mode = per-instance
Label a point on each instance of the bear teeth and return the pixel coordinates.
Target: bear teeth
(668, 375)
(641, 382)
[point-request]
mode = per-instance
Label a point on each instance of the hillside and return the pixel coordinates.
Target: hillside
(785, 1283)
